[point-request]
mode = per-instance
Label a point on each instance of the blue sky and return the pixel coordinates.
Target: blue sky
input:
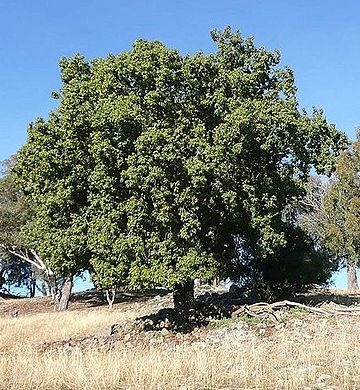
(319, 39)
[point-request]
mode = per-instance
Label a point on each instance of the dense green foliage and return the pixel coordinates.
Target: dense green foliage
(155, 166)
(52, 171)
(297, 266)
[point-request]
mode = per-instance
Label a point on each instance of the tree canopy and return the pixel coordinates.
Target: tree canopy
(156, 165)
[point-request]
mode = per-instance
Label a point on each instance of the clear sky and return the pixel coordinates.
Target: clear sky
(319, 39)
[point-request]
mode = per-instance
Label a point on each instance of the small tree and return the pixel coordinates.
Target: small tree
(107, 276)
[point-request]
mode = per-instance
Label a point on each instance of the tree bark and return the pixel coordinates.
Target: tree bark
(66, 293)
(353, 286)
(183, 296)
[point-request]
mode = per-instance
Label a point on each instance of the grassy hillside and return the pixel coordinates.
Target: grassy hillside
(43, 349)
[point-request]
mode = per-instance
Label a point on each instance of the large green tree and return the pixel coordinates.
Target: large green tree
(156, 166)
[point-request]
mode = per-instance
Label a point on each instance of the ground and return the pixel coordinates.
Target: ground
(135, 346)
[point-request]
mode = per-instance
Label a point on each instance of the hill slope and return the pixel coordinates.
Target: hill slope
(43, 349)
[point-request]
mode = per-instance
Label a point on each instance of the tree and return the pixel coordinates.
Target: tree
(19, 259)
(156, 165)
(53, 171)
(297, 266)
(15, 273)
(213, 150)
(342, 204)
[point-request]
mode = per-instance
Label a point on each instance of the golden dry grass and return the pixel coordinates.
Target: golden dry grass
(307, 353)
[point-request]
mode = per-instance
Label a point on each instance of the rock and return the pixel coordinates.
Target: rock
(197, 283)
(280, 325)
(298, 322)
(201, 344)
(146, 324)
(164, 332)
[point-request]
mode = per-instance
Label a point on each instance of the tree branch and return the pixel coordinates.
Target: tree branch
(39, 264)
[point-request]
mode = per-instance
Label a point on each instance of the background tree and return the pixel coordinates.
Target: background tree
(310, 212)
(342, 204)
(19, 259)
(15, 273)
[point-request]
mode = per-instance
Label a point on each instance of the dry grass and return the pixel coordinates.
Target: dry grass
(307, 353)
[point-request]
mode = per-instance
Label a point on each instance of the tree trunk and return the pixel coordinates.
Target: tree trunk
(51, 287)
(32, 287)
(353, 285)
(183, 296)
(110, 296)
(66, 293)
(2, 278)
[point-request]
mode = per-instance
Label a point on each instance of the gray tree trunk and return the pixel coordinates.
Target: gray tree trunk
(66, 293)
(353, 285)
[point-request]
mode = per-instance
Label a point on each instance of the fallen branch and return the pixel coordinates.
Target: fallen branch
(300, 305)
(263, 309)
